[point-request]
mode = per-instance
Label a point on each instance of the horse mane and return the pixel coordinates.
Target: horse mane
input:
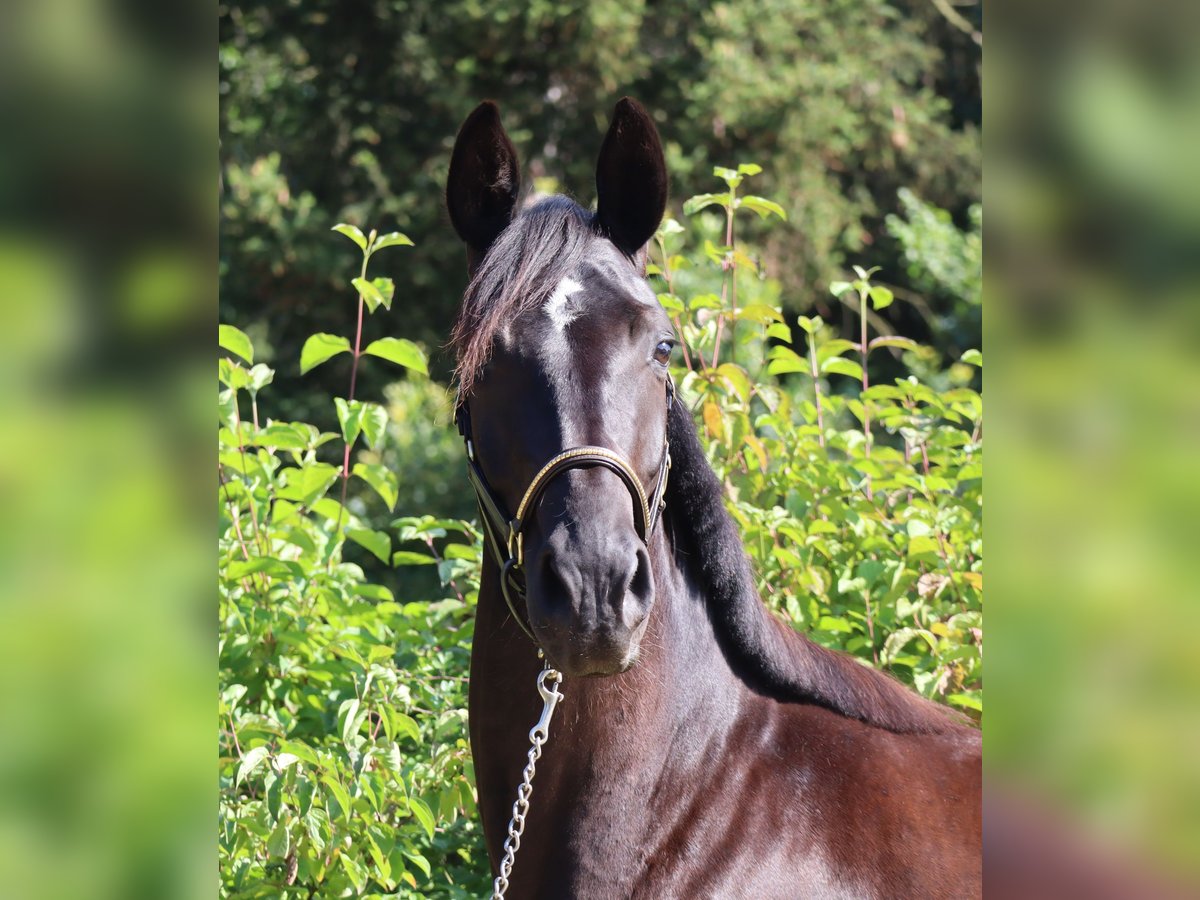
(773, 657)
(540, 247)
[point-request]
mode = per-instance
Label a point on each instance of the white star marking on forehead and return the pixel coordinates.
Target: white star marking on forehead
(557, 306)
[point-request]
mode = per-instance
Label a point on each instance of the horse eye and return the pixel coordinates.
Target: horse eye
(662, 353)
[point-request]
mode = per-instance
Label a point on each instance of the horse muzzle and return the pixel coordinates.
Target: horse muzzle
(589, 605)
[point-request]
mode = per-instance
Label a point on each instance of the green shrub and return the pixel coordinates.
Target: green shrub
(343, 708)
(861, 504)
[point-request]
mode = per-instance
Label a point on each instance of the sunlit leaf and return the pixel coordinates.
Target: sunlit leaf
(319, 348)
(368, 292)
(401, 351)
(353, 233)
(235, 341)
(375, 541)
(391, 239)
(252, 759)
(763, 207)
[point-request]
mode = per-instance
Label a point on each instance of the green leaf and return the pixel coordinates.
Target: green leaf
(319, 348)
(235, 341)
(424, 814)
(737, 379)
(810, 325)
(407, 725)
(763, 207)
(282, 436)
(917, 528)
(260, 377)
(374, 424)
(283, 760)
(368, 292)
(421, 862)
(704, 301)
(785, 360)
(842, 366)
(307, 484)
(693, 205)
(252, 759)
(894, 341)
(749, 169)
(834, 623)
(670, 303)
(376, 541)
(240, 568)
(386, 288)
(316, 824)
(232, 374)
(226, 406)
(410, 558)
(382, 479)
(968, 701)
(837, 288)
(401, 351)
(780, 331)
(974, 357)
(353, 233)
(350, 417)
(834, 347)
(921, 546)
(391, 239)
(352, 716)
(760, 313)
(280, 841)
(881, 297)
(729, 176)
(354, 871)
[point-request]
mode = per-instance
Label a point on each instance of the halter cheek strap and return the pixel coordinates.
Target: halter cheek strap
(504, 535)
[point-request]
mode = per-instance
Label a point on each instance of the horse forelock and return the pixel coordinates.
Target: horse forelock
(530, 263)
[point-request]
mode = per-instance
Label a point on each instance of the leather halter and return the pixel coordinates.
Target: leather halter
(503, 534)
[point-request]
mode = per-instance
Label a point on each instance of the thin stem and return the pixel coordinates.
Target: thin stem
(728, 269)
(862, 318)
(942, 551)
(732, 282)
(233, 733)
(350, 400)
(248, 582)
(438, 557)
(812, 364)
(871, 626)
(237, 428)
(237, 524)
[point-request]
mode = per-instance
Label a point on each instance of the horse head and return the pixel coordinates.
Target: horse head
(562, 351)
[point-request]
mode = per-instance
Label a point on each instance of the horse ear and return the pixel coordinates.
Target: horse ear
(485, 178)
(631, 178)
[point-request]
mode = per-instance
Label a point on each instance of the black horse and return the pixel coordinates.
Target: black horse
(703, 748)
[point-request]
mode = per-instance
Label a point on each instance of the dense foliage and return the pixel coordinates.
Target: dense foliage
(344, 762)
(346, 111)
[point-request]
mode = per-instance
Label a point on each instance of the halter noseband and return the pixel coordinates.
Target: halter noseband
(504, 534)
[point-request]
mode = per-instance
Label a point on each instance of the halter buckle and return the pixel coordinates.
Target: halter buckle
(514, 544)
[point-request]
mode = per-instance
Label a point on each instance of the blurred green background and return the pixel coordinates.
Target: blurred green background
(108, 285)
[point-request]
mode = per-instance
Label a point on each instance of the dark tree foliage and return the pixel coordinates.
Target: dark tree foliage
(346, 111)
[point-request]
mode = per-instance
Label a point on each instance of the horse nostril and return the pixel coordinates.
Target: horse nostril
(640, 584)
(554, 584)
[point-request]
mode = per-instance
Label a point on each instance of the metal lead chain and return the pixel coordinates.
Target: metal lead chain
(537, 737)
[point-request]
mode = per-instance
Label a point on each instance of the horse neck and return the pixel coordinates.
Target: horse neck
(613, 740)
